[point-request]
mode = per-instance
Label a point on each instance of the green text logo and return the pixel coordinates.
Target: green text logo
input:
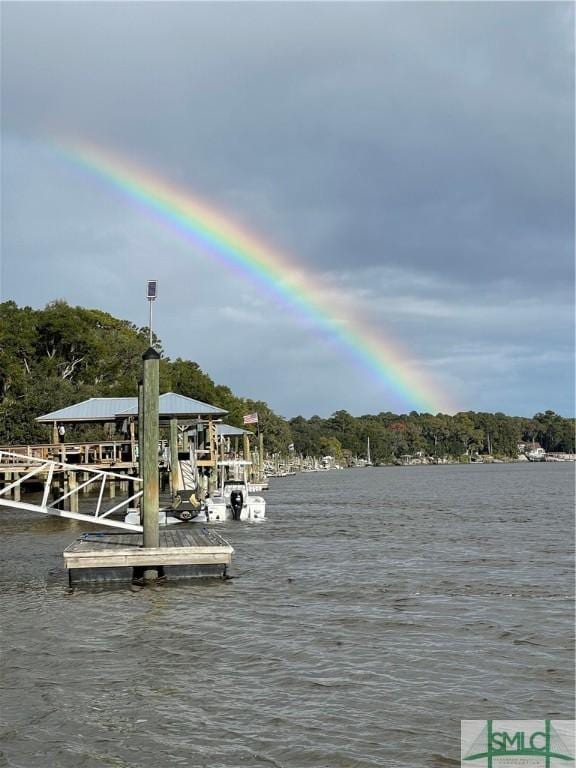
(498, 743)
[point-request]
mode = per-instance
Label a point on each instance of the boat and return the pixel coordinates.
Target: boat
(368, 459)
(186, 502)
(536, 453)
(257, 487)
(166, 516)
(233, 500)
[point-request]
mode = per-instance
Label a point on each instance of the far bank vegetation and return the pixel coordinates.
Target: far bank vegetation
(60, 355)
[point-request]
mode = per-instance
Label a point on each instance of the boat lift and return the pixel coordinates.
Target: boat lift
(44, 470)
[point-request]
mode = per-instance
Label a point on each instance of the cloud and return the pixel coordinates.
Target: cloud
(414, 160)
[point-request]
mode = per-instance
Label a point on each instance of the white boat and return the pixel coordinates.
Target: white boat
(258, 487)
(233, 500)
(368, 459)
(186, 502)
(536, 454)
(165, 517)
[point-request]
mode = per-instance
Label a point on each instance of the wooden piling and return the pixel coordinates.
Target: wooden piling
(174, 469)
(73, 499)
(260, 456)
(140, 425)
(246, 447)
(58, 488)
(17, 488)
(149, 461)
(132, 441)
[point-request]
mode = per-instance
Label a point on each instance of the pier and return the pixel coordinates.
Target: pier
(195, 546)
(62, 472)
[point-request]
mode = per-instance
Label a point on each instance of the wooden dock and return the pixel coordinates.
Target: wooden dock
(193, 545)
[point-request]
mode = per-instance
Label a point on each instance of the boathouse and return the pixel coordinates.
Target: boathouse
(121, 414)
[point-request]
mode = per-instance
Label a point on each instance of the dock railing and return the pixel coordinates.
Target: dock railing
(107, 452)
(79, 477)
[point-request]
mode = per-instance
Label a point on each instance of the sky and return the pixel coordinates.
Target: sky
(412, 162)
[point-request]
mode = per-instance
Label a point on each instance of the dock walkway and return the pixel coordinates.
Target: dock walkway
(193, 545)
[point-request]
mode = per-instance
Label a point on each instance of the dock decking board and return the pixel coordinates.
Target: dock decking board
(191, 546)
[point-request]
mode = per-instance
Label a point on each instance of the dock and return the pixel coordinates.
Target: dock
(195, 546)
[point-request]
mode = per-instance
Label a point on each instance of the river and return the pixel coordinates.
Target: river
(370, 612)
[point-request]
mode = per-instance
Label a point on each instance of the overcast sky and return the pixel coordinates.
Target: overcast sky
(417, 157)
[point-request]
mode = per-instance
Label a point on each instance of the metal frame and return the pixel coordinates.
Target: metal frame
(47, 468)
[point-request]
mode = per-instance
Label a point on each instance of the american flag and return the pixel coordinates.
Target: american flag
(251, 418)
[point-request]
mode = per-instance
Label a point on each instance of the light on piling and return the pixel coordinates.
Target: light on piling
(151, 294)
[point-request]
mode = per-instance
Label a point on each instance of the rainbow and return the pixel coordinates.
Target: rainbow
(298, 289)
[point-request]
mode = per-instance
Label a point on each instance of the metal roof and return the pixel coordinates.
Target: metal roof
(94, 409)
(226, 430)
(172, 405)
(111, 408)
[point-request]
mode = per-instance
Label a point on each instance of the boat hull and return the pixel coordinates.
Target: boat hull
(217, 510)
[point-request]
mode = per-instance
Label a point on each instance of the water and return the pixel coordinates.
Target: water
(372, 610)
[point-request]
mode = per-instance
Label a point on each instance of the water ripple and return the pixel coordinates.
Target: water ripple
(372, 610)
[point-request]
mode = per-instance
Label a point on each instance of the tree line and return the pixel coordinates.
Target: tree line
(53, 357)
(464, 434)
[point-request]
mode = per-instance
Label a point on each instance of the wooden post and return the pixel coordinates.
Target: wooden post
(149, 459)
(62, 485)
(132, 442)
(174, 468)
(261, 456)
(246, 442)
(17, 488)
(140, 425)
(73, 499)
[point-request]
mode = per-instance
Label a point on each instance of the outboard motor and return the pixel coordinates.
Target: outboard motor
(236, 502)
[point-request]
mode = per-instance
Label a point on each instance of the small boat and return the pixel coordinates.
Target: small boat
(233, 500)
(536, 453)
(186, 501)
(166, 516)
(368, 459)
(258, 487)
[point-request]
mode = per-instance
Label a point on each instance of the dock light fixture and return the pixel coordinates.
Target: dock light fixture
(151, 295)
(152, 290)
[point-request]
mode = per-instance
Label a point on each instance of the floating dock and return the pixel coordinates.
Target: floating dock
(194, 546)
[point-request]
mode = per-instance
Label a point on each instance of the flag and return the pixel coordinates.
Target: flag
(251, 418)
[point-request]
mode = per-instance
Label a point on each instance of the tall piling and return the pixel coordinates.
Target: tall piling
(174, 468)
(260, 456)
(149, 461)
(73, 501)
(140, 424)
